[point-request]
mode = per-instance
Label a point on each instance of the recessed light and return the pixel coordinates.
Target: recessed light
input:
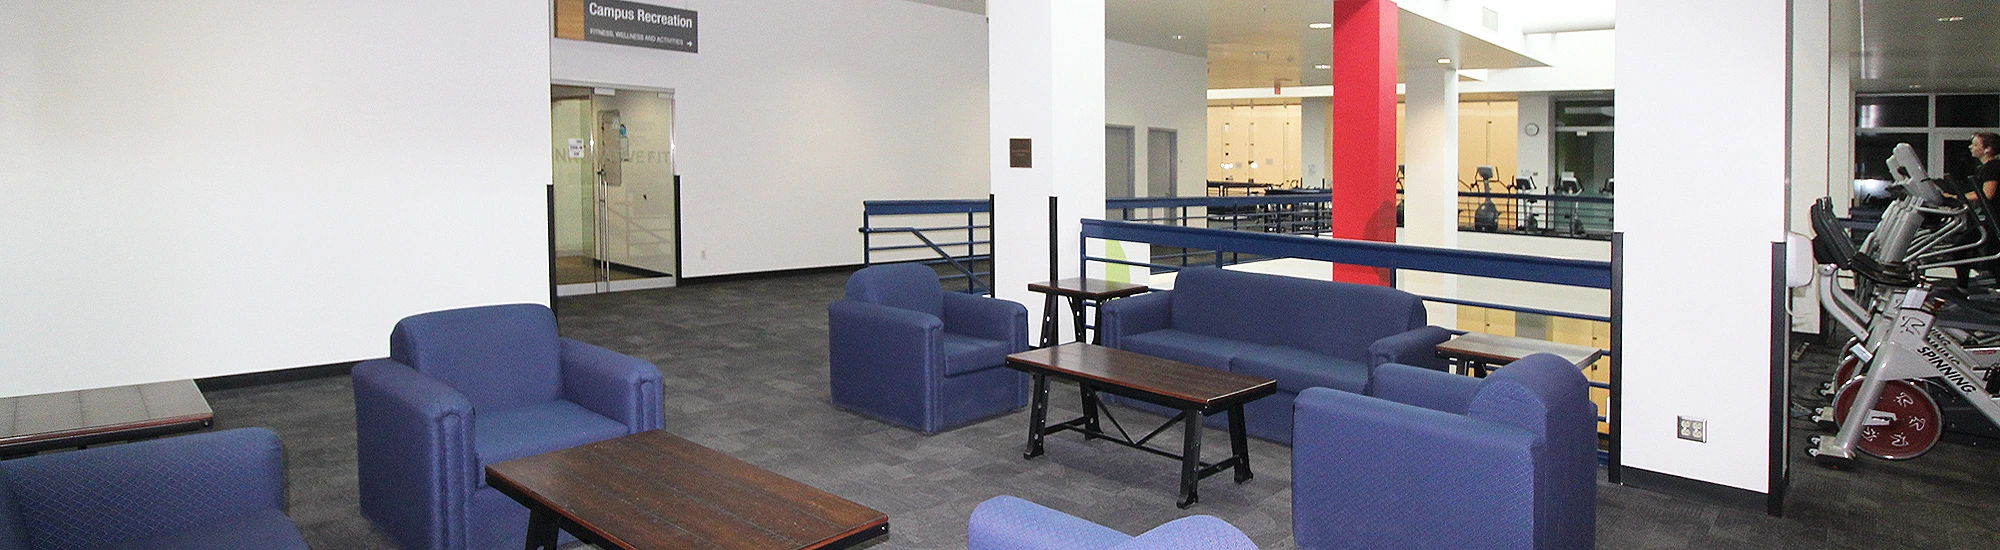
(1952, 19)
(1444, 61)
(1323, 66)
(1915, 86)
(1319, 25)
(1178, 37)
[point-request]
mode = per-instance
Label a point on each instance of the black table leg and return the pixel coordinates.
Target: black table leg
(1097, 338)
(1038, 415)
(1076, 315)
(541, 530)
(1089, 395)
(1191, 460)
(1048, 320)
(1239, 444)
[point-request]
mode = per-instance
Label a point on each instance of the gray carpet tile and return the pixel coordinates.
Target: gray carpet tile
(745, 364)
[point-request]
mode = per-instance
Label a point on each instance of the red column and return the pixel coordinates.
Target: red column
(1363, 120)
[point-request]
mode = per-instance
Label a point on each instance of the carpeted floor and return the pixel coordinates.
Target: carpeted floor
(745, 364)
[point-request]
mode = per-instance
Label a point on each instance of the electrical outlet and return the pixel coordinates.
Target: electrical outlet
(1692, 429)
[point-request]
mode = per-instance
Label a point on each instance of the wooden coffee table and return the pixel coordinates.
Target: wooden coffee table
(1194, 390)
(654, 490)
(34, 423)
(1479, 352)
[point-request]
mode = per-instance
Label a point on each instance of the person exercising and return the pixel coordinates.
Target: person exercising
(1986, 147)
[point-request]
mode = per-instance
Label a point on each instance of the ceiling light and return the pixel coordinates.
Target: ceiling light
(1323, 67)
(1178, 37)
(1444, 61)
(1952, 19)
(1319, 25)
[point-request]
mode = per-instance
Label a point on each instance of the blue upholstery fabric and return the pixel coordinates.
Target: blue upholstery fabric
(1300, 332)
(498, 356)
(1187, 347)
(1009, 523)
(908, 286)
(967, 354)
(536, 429)
(1296, 369)
(211, 490)
(421, 440)
(1517, 470)
(1434, 390)
(1549, 397)
(260, 529)
(898, 356)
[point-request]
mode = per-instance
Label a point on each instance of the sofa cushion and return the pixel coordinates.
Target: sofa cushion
(536, 429)
(963, 354)
(1296, 369)
(265, 529)
(1188, 347)
(1326, 317)
(500, 357)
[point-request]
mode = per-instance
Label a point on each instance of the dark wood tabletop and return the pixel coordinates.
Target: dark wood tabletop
(655, 490)
(1089, 289)
(1197, 385)
(1497, 349)
(35, 423)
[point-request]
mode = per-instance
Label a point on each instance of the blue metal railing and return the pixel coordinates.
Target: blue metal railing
(963, 256)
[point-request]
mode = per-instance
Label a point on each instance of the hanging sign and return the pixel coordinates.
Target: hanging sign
(627, 23)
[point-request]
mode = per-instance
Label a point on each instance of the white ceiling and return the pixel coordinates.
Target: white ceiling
(1896, 45)
(1901, 46)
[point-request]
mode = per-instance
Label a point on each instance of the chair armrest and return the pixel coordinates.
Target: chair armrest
(886, 361)
(989, 318)
(125, 492)
(1135, 315)
(413, 454)
(1417, 347)
(1009, 523)
(618, 386)
(1434, 390)
(1371, 473)
(1205, 532)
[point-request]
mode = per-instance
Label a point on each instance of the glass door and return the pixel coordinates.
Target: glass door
(616, 193)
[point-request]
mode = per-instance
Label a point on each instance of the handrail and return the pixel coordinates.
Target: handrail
(924, 206)
(980, 285)
(1518, 267)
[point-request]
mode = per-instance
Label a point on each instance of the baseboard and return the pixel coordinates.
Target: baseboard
(274, 377)
(1695, 489)
(690, 281)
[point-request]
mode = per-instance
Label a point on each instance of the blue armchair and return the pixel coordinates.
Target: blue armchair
(465, 388)
(217, 490)
(1008, 523)
(905, 351)
(1436, 460)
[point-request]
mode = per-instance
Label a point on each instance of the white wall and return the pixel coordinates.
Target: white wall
(796, 111)
(1153, 88)
(207, 188)
(1700, 345)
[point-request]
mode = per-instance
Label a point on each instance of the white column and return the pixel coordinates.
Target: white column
(1314, 157)
(1532, 152)
(1046, 61)
(1696, 318)
(1430, 179)
(1811, 176)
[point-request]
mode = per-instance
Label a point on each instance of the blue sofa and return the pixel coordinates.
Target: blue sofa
(215, 490)
(465, 388)
(1008, 523)
(906, 352)
(1436, 460)
(1302, 333)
